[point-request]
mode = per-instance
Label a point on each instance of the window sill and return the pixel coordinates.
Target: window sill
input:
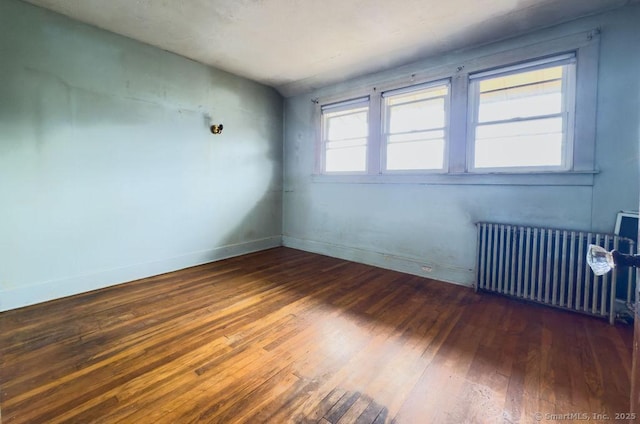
(571, 178)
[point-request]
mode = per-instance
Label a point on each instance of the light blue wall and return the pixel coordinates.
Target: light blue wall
(107, 170)
(407, 226)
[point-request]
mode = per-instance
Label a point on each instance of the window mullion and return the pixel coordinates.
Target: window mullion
(569, 111)
(375, 144)
(320, 143)
(457, 137)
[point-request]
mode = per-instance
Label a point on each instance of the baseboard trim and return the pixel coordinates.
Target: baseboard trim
(450, 274)
(18, 297)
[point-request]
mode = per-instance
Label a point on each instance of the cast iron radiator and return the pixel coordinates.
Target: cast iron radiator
(548, 265)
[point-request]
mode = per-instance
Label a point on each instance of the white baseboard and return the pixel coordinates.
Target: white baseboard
(449, 274)
(13, 298)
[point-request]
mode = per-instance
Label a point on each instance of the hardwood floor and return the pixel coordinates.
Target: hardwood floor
(288, 336)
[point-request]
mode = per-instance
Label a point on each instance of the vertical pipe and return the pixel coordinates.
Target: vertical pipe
(630, 271)
(534, 264)
(494, 255)
(488, 258)
(481, 242)
(572, 250)
(540, 267)
(579, 282)
(605, 282)
(477, 268)
(512, 278)
(500, 258)
(614, 283)
(587, 277)
(520, 252)
(596, 280)
(507, 260)
(485, 241)
(563, 269)
(487, 277)
(527, 284)
(548, 265)
(556, 265)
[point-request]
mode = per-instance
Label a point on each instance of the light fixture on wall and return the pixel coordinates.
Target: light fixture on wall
(216, 129)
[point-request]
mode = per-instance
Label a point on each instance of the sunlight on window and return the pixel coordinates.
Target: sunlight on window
(520, 119)
(415, 135)
(347, 124)
(416, 116)
(418, 154)
(521, 102)
(346, 134)
(521, 79)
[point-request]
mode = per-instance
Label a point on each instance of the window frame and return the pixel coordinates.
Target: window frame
(338, 106)
(568, 110)
(385, 126)
(585, 47)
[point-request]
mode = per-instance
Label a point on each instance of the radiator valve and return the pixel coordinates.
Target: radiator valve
(620, 259)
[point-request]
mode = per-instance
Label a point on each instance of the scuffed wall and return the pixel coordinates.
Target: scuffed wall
(108, 172)
(412, 226)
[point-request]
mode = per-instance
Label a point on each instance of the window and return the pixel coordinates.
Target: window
(415, 130)
(345, 131)
(521, 117)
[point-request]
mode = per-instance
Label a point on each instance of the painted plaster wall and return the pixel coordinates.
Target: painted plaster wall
(408, 226)
(107, 170)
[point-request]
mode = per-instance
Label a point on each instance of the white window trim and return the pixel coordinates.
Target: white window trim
(568, 109)
(586, 48)
(336, 107)
(384, 125)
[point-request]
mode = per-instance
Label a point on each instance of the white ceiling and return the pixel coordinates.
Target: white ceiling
(298, 45)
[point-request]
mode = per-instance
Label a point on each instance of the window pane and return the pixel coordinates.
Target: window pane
(415, 132)
(417, 116)
(341, 144)
(519, 144)
(345, 139)
(416, 95)
(522, 95)
(346, 159)
(347, 124)
(521, 102)
(416, 151)
(521, 78)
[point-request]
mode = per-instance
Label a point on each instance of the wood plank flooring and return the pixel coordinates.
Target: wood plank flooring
(288, 336)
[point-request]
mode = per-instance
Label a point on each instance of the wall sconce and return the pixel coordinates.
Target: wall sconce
(216, 129)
